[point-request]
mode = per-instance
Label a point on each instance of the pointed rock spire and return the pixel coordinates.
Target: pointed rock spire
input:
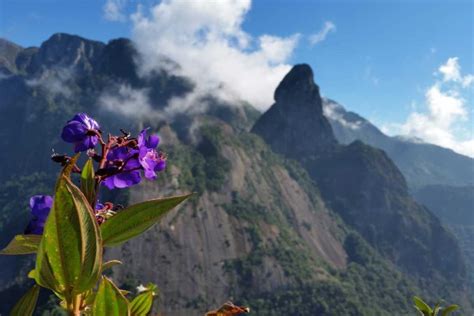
(295, 124)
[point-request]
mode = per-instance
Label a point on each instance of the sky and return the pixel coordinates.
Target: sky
(405, 65)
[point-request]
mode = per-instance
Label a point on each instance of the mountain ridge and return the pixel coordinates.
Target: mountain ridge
(260, 229)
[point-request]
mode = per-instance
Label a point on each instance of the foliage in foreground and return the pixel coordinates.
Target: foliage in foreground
(68, 232)
(425, 310)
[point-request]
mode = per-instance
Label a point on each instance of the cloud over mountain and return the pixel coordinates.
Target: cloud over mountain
(446, 111)
(209, 45)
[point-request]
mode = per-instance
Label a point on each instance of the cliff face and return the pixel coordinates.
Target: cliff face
(253, 212)
(295, 123)
(364, 186)
(319, 229)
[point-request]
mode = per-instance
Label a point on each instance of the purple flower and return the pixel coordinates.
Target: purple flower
(98, 206)
(150, 160)
(81, 131)
(125, 163)
(40, 206)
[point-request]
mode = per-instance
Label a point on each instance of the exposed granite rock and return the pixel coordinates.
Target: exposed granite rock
(295, 124)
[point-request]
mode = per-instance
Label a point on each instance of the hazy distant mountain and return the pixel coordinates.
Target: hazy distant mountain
(421, 164)
(438, 177)
(455, 207)
(293, 224)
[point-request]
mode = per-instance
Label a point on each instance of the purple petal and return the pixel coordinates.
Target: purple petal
(160, 166)
(132, 164)
(85, 144)
(98, 206)
(86, 120)
(35, 227)
(141, 138)
(121, 153)
(73, 132)
(109, 183)
(123, 180)
(150, 174)
(41, 205)
(150, 142)
(153, 141)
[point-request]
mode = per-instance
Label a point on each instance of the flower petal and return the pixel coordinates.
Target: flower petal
(73, 132)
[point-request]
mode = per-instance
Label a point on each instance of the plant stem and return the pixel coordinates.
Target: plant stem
(74, 307)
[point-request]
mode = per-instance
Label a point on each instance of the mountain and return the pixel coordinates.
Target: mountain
(363, 185)
(422, 164)
(438, 177)
(455, 207)
(264, 228)
(8, 54)
(306, 132)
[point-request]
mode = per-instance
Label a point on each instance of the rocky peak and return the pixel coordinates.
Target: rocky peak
(65, 50)
(298, 83)
(295, 125)
(118, 60)
(8, 53)
(360, 183)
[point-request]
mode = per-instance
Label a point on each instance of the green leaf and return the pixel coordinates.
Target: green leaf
(68, 168)
(22, 245)
(70, 256)
(109, 301)
(423, 307)
(449, 309)
(136, 219)
(26, 305)
(88, 182)
(110, 264)
(141, 304)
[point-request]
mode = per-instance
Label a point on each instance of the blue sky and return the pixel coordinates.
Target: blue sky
(380, 59)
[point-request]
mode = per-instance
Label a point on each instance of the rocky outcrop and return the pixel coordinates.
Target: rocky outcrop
(258, 206)
(294, 125)
(8, 53)
(362, 184)
(66, 51)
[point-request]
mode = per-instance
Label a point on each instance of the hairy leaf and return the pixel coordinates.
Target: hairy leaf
(136, 219)
(449, 309)
(422, 306)
(70, 256)
(109, 301)
(141, 304)
(26, 305)
(88, 182)
(110, 264)
(22, 245)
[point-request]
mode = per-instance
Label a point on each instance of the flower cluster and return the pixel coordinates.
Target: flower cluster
(122, 158)
(122, 161)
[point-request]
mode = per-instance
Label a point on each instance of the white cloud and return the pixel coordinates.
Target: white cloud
(467, 81)
(206, 40)
(331, 110)
(446, 111)
(321, 35)
(54, 81)
(113, 10)
(128, 101)
(451, 71)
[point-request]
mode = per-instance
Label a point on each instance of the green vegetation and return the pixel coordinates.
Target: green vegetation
(202, 168)
(425, 310)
